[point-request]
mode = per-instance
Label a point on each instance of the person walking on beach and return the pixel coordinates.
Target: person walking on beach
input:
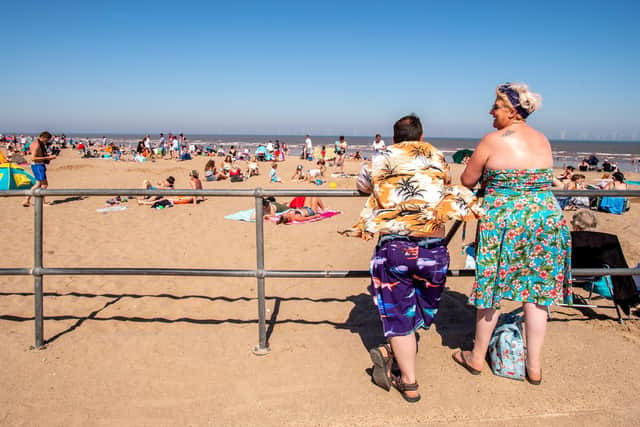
(524, 242)
(39, 161)
(409, 204)
(341, 153)
(161, 145)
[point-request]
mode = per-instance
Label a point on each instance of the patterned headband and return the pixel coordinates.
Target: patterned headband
(514, 98)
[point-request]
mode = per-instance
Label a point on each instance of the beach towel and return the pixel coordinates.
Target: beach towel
(593, 249)
(323, 215)
(246, 215)
(116, 208)
(242, 215)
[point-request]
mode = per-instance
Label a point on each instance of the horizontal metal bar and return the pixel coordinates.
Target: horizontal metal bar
(577, 272)
(331, 274)
(613, 193)
(318, 274)
(144, 272)
(311, 193)
(339, 274)
(15, 272)
(256, 192)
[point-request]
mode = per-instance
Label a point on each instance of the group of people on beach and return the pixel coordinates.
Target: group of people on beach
(570, 180)
(168, 184)
(334, 156)
(523, 243)
(523, 246)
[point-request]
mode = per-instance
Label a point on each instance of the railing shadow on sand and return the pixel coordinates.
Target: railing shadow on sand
(362, 319)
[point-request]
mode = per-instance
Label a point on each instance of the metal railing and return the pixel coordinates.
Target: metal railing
(39, 271)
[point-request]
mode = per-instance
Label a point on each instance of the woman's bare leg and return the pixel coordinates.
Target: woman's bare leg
(486, 319)
(315, 203)
(535, 328)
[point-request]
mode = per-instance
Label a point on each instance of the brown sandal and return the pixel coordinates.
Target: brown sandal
(404, 388)
(381, 366)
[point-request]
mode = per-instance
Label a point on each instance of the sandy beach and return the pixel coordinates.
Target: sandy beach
(177, 351)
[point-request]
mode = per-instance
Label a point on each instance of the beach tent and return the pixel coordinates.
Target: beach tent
(459, 155)
(15, 177)
(261, 150)
(262, 153)
(329, 152)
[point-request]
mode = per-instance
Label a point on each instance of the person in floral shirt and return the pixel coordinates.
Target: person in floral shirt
(410, 202)
(524, 242)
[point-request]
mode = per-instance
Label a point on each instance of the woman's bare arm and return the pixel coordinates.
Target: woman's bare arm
(476, 164)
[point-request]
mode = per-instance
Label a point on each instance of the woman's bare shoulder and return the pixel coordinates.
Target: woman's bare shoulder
(491, 139)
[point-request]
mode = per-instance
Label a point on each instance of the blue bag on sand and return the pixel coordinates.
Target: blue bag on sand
(506, 348)
(614, 205)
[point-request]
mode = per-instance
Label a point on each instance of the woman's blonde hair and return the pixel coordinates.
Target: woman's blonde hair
(584, 220)
(526, 100)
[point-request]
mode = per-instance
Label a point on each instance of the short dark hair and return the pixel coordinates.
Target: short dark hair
(618, 176)
(408, 128)
(45, 135)
(283, 220)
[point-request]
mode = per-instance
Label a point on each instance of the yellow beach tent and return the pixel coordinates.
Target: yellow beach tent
(15, 177)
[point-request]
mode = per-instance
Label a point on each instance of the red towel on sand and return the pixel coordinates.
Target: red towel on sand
(297, 202)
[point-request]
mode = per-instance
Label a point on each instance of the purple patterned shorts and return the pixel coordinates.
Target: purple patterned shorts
(407, 279)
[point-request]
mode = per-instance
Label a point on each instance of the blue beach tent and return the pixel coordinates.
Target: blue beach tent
(15, 177)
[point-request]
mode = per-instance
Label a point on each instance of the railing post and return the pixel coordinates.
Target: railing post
(37, 266)
(262, 348)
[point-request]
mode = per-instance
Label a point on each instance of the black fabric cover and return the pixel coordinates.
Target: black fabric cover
(593, 249)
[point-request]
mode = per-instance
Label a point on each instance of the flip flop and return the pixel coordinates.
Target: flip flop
(463, 362)
(381, 366)
(531, 381)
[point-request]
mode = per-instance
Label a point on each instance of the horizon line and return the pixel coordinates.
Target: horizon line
(93, 133)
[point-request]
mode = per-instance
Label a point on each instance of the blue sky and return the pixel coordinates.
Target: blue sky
(324, 68)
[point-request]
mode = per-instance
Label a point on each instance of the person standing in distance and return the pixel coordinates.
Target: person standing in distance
(341, 153)
(378, 144)
(39, 160)
(308, 147)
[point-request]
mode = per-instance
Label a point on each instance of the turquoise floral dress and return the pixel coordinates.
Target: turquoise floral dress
(524, 242)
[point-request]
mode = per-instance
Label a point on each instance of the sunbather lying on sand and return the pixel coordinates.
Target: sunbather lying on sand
(195, 183)
(167, 184)
(312, 209)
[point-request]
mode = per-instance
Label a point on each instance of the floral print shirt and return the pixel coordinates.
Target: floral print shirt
(409, 194)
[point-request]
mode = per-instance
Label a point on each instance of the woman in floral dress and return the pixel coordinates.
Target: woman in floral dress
(524, 247)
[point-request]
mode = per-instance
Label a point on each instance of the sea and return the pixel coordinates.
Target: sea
(625, 154)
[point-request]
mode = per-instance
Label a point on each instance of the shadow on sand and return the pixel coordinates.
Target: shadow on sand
(455, 321)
